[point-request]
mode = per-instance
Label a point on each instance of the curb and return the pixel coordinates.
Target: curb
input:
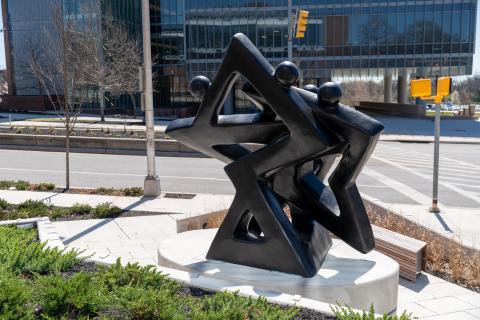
(428, 139)
(164, 147)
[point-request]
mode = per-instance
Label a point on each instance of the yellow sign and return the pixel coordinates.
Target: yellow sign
(301, 23)
(420, 88)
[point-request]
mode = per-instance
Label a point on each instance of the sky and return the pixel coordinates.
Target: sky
(476, 59)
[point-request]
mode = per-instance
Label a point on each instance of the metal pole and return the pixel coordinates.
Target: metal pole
(436, 158)
(152, 181)
(290, 31)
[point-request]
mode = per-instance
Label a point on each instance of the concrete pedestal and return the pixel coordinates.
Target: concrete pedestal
(151, 187)
(346, 276)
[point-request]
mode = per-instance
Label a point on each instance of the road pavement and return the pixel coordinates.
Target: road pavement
(397, 172)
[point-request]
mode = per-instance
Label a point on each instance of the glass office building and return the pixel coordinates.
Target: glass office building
(345, 39)
(29, 23)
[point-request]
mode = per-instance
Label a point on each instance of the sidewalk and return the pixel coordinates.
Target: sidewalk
(426, 127)
(460, 224)
(200, 203)
(135, 239)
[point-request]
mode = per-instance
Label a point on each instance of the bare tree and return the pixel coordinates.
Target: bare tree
(468, 89)
(117, 61)
(355, 91)
(60, 65)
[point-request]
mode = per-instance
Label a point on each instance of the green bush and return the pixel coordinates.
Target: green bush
(45, 186)
(133, 192)
(79, 295)
(133, 275)
(106, 210)
(346, 313)
(105, 191)
(4, 204)
(230, 306)
(21, 253)
(80, 209)
(33, 208)
(22, 185)
(19, 185)
(6, 184)
(149, 304)
(15, 295)
(58, 212)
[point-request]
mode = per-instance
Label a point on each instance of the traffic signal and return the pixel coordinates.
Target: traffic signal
(444, 86)
(420, 88)
(301, 23)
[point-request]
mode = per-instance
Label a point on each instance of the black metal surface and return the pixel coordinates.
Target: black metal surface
(302, 133)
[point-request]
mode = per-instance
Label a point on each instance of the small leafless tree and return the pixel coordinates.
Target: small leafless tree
(60, 65)
(355, 91)
(118, 61)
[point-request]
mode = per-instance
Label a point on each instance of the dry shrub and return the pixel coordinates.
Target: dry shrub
(442, 256)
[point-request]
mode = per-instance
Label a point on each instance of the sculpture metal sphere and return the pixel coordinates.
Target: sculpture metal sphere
(311, 87)
(287, 74)
(329, 94)
(199, 86)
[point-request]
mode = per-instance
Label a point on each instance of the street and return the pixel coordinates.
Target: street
(398, 173)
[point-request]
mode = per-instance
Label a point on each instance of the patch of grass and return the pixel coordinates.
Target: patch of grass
(21, 253)
(346, 313)
(105, 191)
(133, 192)
(80, 209)
(44, 186)
(106, 210)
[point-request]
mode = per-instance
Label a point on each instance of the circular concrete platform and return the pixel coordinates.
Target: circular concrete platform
(346, 276)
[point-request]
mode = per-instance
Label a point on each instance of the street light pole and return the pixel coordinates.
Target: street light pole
(152, 181)
(290, 32)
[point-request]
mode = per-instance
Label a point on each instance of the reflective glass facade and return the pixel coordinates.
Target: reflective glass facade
(345, 39)
(29, 21)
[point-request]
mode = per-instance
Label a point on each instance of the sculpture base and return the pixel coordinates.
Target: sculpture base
(346, 276)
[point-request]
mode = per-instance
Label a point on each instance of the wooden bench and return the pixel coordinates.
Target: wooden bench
(404, 250)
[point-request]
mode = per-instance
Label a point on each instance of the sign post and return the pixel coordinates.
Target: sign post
(422, 88)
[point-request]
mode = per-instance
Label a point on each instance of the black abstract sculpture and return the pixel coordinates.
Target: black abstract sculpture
(302, 133)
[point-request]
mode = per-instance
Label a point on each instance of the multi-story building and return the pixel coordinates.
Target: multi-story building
(345, 39)
(29, 23)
